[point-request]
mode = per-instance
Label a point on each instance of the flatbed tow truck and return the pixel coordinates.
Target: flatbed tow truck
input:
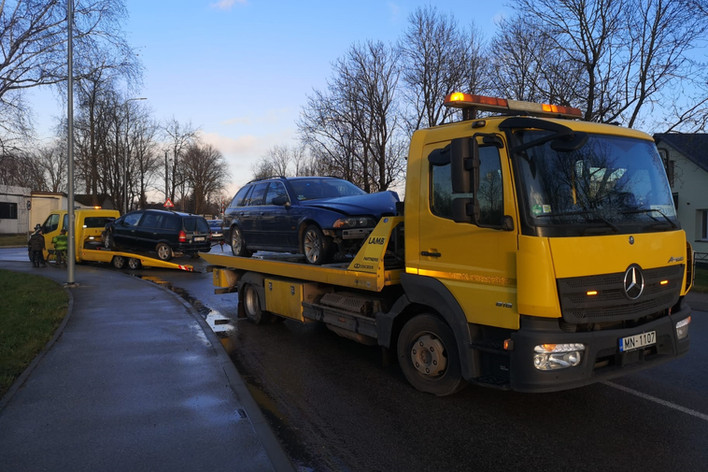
(540, 253)
(89, 225)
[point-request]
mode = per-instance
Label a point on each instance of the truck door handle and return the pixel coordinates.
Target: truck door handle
(430, 254)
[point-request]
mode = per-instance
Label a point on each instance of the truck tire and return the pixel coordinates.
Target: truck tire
(315, 246)
(238, 244)
(118, 262)
(427, 354)
(134, 264)
(164, 251)
(252, 305)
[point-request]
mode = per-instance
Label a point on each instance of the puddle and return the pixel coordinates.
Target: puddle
(221, 325)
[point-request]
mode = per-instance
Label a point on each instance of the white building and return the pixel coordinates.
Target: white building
(686, 159)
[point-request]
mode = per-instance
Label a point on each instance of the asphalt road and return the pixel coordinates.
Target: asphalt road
(337, 405)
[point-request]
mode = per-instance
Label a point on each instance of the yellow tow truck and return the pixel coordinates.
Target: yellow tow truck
(540, 253)
(88, 240)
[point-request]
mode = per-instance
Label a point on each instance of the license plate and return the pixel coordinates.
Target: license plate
(199, 238)
(638, 341)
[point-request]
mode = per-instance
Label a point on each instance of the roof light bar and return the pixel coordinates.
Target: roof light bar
(481, 102)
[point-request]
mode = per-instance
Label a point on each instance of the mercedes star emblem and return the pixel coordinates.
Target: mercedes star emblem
(633, 282)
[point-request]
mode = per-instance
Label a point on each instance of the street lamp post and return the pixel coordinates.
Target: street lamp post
(125, 155)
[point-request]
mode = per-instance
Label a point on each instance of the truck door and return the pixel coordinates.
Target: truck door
(476, 260)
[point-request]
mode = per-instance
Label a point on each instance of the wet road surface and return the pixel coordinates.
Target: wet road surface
(337, 405)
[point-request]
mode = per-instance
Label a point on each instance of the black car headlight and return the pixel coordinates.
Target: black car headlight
(354, 222)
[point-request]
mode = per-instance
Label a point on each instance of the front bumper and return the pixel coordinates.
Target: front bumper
(602, 358)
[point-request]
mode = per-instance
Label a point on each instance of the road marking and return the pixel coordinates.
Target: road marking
(682, 409)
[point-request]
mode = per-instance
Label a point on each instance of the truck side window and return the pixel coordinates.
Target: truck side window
(490, 194)
(51, 224)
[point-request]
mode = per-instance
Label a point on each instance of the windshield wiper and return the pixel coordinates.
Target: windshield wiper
(648, 211)
(585, 213)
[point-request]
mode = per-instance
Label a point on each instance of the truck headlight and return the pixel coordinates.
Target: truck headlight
(557, 356)
(354, 222)
(682, 328)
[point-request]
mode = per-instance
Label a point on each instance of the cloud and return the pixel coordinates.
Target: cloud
(226, 4)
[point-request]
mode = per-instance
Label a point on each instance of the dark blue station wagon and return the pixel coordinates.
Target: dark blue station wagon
(320, 217)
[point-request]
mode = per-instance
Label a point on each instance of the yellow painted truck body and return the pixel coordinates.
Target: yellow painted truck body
(533, 253)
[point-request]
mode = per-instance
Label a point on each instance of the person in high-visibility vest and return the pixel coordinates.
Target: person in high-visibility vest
(60, 243)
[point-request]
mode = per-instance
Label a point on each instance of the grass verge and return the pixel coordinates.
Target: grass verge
(700, 281)
(32, 309)
(13, 240)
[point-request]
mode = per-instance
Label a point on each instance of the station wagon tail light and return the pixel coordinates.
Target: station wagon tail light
(480, 102)
(182, 237)
(354, 222)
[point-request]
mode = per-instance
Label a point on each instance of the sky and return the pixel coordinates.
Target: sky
(241, 70)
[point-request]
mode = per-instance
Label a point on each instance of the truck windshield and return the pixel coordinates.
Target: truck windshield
(609, 185)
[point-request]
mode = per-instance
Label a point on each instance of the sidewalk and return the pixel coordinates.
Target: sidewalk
(136, 381)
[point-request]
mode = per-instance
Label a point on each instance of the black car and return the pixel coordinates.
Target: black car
(162, 231)
(217, 230)
(320, 217)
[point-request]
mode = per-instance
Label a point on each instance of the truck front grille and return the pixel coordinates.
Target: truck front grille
(611, 302)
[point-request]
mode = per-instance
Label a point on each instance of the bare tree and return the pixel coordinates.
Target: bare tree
(661, 34)
(33, 44)
(630, 53)
(145, 163)
(178, 137)
(52, 159)
(281, 160)
(437, 59)
(524, 67)
(328, 133)
(205, 173)
(22, 170)
(352, 129)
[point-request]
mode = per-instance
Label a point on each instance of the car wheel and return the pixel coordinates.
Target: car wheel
(252, 305)
(108, 241)
(118, 262)
(164, 251)
(238, 244)
(315, 246)
(134, 264)
(427, 354)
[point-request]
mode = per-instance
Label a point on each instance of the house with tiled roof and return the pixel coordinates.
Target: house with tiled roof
(686, 159)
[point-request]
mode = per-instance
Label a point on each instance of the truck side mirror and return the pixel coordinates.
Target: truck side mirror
(462, 157)
(464, 167)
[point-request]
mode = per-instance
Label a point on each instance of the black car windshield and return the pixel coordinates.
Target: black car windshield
(609, 185)
(312, 189)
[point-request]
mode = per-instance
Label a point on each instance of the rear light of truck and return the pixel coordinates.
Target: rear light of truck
(182, 237)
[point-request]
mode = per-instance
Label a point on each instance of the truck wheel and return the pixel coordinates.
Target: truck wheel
(315, 246)
(428, 356)
(164, 252)
(252, 305)
(238, 244)
(134, 264)
(118, 262)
